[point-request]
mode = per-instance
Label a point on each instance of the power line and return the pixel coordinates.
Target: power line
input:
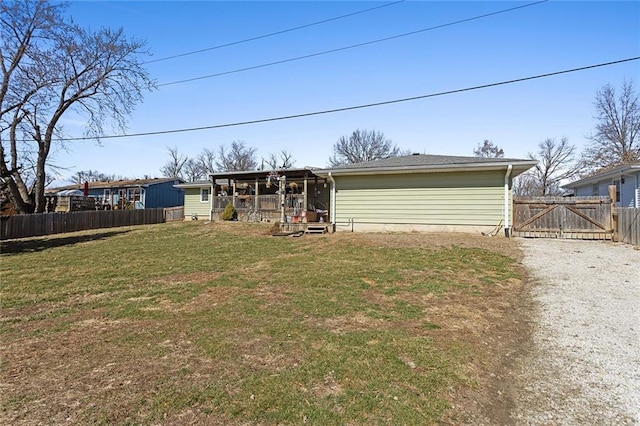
(370, 105)
(353, 46)
(233, 43)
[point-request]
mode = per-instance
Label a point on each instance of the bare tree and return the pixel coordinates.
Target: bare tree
(50, 68)
(193, 171)
(556, 164)
(283, 160)
(207, 161)
(237, 158)
(488, 150)
(174, 168)
(616, 139)
(362, 146)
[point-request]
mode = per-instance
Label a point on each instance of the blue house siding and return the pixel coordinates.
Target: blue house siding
(583, 192)
(628, 191)
(626, 177)
(149, 193)
(164, 195)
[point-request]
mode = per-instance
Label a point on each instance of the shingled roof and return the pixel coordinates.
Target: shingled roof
(426, 163)
(126, 183)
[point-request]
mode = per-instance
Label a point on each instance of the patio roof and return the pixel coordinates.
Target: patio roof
(252, 175)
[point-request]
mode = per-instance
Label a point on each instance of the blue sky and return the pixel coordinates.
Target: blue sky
(543, 38)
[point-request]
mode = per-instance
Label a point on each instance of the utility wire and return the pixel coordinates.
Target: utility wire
(370, 105)
(353, 46)
(233, 43)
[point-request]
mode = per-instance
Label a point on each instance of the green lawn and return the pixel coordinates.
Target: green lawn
(225, 324)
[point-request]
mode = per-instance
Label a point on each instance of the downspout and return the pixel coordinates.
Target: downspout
(507, 222)
(211, 189)
(332, 203)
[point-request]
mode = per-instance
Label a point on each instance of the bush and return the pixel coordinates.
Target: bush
(229, 213)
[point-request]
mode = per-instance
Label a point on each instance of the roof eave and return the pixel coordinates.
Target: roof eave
(603, 176)
(517, 166)
(193, 185)
(253, 173)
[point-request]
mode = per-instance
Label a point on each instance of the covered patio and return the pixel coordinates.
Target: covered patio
(291, 196)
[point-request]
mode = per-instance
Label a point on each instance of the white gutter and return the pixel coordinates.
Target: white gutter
(506, 201)
(332, 202)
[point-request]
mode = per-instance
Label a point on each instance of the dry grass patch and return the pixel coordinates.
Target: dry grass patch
(223, 324)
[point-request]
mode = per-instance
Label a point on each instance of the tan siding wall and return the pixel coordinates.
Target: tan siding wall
(469, 199)
(193, 205)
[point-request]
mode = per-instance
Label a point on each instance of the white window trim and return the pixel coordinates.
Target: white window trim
(202, 191)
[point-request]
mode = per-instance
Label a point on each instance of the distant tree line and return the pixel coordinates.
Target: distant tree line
(235, 157)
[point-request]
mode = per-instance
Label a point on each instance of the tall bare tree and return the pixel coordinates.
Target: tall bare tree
(237, 158)
(52, 68)
(362, 146)
(175, 167)
(488, 150)
(556, 164)
(616, 139)
(283, 160)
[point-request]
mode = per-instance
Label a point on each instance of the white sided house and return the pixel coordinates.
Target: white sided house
(424, 193)
(625, 178)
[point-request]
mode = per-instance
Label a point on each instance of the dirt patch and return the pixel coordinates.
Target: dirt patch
(348, 323)
(500, 245)
(499, 333)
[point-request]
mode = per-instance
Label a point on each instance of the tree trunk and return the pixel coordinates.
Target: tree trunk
(19, 195)
(38, 189)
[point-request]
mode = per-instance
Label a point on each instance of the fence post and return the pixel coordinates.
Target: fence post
(614, 212)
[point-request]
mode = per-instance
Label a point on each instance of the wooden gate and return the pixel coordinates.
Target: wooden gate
(586, 218)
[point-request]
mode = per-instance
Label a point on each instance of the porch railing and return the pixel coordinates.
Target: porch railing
(269, 202)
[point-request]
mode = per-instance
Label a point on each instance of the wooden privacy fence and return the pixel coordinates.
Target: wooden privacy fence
(629, 225)
(34, 225)
(563, 217)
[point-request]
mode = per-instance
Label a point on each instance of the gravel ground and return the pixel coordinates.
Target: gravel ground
(585, 365)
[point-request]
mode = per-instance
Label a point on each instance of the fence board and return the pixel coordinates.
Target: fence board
(563, 217)
(34, 225)
(629, 225)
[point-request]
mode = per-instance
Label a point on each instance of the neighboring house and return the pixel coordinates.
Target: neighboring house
(197, 199)
(625, 178)
(424, 193)
(138, 193)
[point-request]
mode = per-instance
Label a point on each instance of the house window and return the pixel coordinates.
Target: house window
(204, 195)
(133, 194)
(595, 190)
(617, 184)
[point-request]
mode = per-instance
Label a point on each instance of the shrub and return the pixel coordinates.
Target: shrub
(229, 213)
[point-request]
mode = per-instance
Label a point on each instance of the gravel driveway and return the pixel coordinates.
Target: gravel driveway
(585, 365)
